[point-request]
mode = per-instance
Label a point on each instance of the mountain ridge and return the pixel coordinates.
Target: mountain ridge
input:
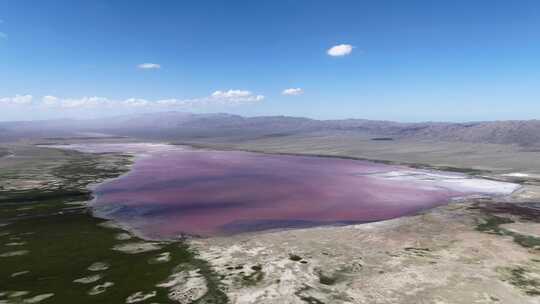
(181, 125)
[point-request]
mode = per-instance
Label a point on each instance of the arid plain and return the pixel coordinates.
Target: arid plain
(482, 249)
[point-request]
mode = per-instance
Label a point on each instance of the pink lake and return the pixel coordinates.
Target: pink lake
(173, 192)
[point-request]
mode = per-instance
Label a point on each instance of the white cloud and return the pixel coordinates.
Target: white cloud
(136, 102)
(228, 97)
(231, 94)
(86, 102)
(17, 100)
(49, 101)
(83, 102)
(170, 102)
(149, 66)
(340, 50)
(235, 96)
(293, 91)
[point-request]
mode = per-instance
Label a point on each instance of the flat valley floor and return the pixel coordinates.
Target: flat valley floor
(52, 250)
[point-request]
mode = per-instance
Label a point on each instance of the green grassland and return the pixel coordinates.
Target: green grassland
(48, 240)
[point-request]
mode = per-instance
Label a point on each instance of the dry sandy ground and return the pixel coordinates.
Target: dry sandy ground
(492, 157)
(436, 257)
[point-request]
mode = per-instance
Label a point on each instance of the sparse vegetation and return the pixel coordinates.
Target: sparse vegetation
(522, 278)
(307, 298)
(326, 280)
(492, 224)
(255, 277)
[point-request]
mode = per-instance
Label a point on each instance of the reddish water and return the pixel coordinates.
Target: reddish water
(209, 193)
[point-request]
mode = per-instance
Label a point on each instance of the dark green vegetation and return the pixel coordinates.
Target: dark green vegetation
(302, 294)
(310, 299)
(49, 241)
(491, 224)
(54, 184)
(521, 278)
(326, 279)
(497, 214)
(294, 257)
(255, 277)
(61, 248)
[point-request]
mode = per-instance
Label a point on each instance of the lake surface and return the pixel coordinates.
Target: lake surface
(172, 191)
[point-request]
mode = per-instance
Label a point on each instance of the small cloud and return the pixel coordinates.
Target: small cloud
(231, 94)
(340, 50)
(293, 91)
(17, 100)
(149, 66)
(236, 96)
(3, 35)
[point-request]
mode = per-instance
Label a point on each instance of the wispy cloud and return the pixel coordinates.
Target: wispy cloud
(149, 66)
(49, 100)
(228, 97)
(19, 100)
(136, 102)
(3, 35)
(293, 91)
(235, 96)
(85, 102)
(220, 97)
(340, 50)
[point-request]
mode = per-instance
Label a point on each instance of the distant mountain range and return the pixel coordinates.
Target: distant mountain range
(186, 126)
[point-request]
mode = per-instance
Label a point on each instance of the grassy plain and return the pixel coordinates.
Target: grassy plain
(52, 250)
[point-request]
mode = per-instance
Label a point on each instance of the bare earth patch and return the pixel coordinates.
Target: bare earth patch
(98, 266)
(13, 253)
(133, 248)
(185, 286)
(435, 257)
(140, 297)
(38, 298)
(88, 279)
(101, 288)
(531, 229)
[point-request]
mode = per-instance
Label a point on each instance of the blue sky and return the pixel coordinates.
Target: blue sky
(410, 60)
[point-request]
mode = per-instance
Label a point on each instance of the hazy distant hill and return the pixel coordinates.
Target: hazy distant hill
(180, 126)
(525, 133)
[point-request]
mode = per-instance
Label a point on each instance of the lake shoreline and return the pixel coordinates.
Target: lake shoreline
(141, 152)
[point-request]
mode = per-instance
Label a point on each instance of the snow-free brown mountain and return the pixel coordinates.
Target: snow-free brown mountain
(185, 126)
